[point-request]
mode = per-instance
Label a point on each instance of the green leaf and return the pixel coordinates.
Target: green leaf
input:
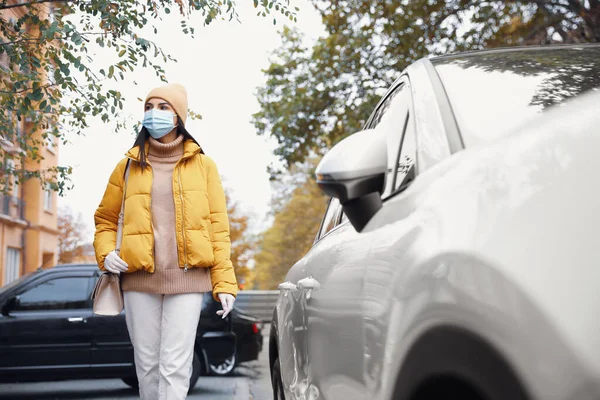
(111, 71)
(36, 62)
(76, 38)
(36, 95)
(122, 52)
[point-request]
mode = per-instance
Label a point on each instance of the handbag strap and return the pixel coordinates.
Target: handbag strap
(122, 212)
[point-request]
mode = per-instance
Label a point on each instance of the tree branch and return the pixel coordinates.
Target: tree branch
(34, 39)
(19, 41)
(552, 21)
(562, 34)
(542, 3)
(584, 14)
(26, 89)
(576, 6)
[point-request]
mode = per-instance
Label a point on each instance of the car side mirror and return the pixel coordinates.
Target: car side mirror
(10, 305)
(353, 171)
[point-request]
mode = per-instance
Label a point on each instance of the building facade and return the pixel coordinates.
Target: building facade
(28, 219)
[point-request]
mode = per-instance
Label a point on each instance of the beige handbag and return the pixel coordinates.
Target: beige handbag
(107, 294)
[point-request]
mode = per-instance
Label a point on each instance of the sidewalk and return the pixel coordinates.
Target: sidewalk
(258, 373)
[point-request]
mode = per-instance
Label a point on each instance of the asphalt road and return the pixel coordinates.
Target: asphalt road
(250, 381)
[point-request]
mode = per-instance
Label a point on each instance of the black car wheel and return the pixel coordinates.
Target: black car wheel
(223, 367)
(276, 381)
(196, 366)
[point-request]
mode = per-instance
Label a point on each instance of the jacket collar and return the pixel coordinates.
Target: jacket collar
(190, 149)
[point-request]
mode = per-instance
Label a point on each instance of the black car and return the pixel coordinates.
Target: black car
(49, 332)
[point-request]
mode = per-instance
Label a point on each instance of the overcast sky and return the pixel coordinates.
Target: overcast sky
(221, 69)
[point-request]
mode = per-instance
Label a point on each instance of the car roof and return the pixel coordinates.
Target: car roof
(515, 49)
(80, 266)
(71, 267)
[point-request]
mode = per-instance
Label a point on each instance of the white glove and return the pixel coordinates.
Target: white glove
(113, 263)
(227, 301)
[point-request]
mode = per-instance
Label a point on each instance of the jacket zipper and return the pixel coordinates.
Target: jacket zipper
(151, 221)
(182, 221)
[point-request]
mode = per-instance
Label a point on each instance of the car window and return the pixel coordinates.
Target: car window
(56, 294)
(331, 218)
(392, 117)
(405, 170)
(384, 114)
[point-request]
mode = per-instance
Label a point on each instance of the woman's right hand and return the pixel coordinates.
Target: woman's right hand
(113, 263)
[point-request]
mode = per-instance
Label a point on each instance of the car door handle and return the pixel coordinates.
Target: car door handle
(309, 283)
(287, 286)
(76, 319)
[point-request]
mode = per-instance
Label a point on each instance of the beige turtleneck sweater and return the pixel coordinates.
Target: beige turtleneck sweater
(168, 277)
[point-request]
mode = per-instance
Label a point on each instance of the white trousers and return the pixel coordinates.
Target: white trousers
(162, 329)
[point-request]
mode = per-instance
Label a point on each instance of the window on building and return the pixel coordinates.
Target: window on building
(10, 168)
(13, 265)
(15, 190)
(18, 129)
(51, 127)
(48, 200)
(51, 143)
(13, 134)
(4, 60)
(51, 70)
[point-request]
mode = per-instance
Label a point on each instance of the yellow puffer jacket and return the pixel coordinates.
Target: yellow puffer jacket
(201, 219)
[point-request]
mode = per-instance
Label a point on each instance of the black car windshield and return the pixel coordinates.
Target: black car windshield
(491, 93)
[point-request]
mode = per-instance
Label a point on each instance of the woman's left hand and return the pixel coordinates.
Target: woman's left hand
(227, 301)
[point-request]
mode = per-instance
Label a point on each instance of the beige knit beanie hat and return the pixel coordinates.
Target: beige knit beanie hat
(175, 94)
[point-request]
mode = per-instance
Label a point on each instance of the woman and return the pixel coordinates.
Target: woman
(175, 243)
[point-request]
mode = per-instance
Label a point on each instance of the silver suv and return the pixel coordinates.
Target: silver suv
(459, 255)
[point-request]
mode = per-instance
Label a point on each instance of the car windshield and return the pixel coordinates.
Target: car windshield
(492, 93)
